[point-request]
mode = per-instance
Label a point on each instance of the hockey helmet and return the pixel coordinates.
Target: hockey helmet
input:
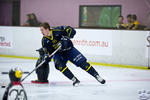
(15, 75)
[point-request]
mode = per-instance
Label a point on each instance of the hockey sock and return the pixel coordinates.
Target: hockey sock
(88, 68)
(92, 71)
(67, 73)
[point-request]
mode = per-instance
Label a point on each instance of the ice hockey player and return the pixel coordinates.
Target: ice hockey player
(43, 71)
(60, 36)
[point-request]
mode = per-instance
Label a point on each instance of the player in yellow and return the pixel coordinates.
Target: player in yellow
(135, 22)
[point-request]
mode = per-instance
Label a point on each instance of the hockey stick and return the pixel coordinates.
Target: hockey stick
(8, 73)
(40, 64)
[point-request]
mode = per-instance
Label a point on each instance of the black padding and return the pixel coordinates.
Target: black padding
(41, 52)
(43, 71)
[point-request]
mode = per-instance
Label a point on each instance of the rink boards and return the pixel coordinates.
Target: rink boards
(118, 47)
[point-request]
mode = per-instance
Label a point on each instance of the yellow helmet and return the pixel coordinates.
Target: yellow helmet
(15, 75)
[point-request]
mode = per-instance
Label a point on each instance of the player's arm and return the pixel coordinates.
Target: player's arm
(69, 31)
(66, 44)
(47, 50)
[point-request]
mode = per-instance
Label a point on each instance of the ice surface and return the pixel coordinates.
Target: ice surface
(122, 83)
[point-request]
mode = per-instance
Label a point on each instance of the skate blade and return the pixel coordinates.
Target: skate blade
(77, 84)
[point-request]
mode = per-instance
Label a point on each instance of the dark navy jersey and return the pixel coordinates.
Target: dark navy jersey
(50, 44)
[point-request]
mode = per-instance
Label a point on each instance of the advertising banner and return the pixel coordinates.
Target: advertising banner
(6, 38)
(93, 42)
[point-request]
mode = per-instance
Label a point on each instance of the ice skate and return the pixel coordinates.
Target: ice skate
(99, 79)
(76, 82)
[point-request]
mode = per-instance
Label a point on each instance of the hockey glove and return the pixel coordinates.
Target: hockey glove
(47, 58)
(65, 44)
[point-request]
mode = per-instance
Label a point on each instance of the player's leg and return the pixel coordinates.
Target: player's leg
(60, 61)
(79, 60)
(88, 68)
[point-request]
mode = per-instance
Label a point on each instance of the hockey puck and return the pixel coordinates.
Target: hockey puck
(3, 86)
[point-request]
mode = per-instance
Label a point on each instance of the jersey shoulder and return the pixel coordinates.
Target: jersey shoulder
(65, 31)
(59, 28)
(45, 41)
